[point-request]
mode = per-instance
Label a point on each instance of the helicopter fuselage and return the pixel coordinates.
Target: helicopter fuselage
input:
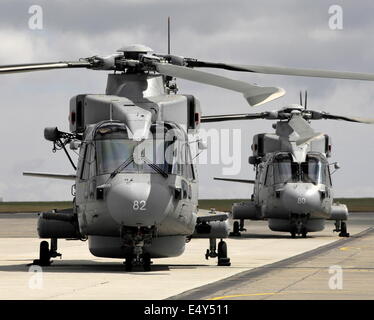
(138, 203)
(289, 195)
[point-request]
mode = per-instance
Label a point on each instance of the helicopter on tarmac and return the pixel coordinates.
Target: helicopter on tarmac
(136, 190)
(292, 186)
(127, 202)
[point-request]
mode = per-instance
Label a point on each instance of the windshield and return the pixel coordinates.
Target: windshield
(314, 170)
(285, 170)
(139, 156)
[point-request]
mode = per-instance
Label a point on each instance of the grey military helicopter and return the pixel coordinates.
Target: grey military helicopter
(127, 202)
(292, 187)
(135, 191)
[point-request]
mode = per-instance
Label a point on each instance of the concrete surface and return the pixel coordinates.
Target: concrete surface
(79, 275)
(343, 272)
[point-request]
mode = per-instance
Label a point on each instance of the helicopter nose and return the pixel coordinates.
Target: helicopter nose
(301, 198)
(138, 203)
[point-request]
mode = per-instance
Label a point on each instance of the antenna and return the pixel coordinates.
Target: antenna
(301, 98)
(306, 99)
(168, 35)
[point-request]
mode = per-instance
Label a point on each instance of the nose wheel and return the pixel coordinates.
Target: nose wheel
(136, 240)
(147, 262)
(298, 231)
(143, 259)
(298, 225)
(129, 262)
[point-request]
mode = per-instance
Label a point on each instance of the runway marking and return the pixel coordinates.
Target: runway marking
(245, 295)
(349, 248)
(276, 293)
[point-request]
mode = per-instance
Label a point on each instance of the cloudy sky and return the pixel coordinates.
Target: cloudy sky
(281, 33)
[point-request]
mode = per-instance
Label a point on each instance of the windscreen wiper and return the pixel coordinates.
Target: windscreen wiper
(155, 167)
(120, 168)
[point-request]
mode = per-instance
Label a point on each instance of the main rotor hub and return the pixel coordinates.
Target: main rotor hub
(293, 106)
(133, 51)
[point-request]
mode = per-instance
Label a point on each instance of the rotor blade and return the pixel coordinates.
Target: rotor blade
(307, 139)
(16, 68)
(230, 117)
(358, 120)
(255, 95)
(284, 70)
(50, 175)
(235, 180)
(303, 130)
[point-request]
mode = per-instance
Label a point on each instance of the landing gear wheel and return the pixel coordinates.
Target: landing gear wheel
(293, 234)
(343, 230)
(304, 233)
(236, 227)
(147, 262)
(129, 262)
(212, 251)
(223, 260)
(44, 255)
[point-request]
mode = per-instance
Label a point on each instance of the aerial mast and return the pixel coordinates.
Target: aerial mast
(168, 35)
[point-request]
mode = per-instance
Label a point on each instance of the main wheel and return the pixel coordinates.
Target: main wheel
(343, 230)
(293, 231)
(223, 260)
(235, 229)
(222, 249)
(44, 254)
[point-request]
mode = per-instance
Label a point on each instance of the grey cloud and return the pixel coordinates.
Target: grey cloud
(288, 33)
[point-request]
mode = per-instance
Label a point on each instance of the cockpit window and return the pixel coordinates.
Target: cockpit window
(313, 170)
(284, 169)
(112, 153)
(162, 149)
